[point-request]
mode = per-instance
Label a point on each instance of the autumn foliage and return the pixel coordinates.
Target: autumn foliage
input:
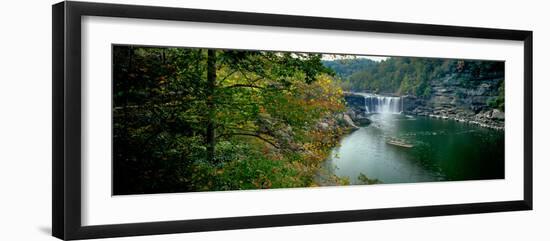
(196, 120)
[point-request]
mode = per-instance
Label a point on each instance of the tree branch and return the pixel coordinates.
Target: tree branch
(244, 85)
(251, 81)
(227, 76)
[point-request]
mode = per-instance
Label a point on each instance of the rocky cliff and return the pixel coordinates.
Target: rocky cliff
(461, 98)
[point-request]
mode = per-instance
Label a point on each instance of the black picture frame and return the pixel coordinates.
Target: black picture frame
(66, 47)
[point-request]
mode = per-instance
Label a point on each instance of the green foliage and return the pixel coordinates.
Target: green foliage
(423, 90)
(363, 179)
(195, 119)
(251, 170)
(344, 68)
(251, 123)
(411, 76)
(498, 101)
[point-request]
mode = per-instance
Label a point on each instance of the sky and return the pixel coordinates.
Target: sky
(339, 56)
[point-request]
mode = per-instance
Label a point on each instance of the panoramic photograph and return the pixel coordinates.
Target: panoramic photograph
(198, 119)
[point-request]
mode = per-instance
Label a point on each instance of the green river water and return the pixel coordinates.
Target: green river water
(443, 150)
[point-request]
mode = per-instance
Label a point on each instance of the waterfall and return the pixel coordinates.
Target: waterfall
(382, 104)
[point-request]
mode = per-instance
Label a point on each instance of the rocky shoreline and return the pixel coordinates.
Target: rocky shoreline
(443, 105)
(460, 97)
(451, 99)
(493, 119)
(486, 119)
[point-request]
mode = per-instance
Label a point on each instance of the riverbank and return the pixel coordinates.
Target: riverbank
(465, 98)
(483, 122)
(359, 105)
(442, 151)
(485, 117)
(336, 127)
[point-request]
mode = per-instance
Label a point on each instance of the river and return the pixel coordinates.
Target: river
(442, 150)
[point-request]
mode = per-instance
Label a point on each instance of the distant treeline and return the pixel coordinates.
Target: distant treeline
(407, 75)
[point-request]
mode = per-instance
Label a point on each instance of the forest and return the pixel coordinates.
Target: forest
(412, 76)
(189, 119)
(192, 119)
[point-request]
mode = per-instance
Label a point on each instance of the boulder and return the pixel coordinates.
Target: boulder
(350, 113)
(497, 114)
(323, 125)
(363, 121)
(349, 121)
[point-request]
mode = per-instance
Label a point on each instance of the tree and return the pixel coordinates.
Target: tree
(407, 75)
(181, 115)
(210, 104)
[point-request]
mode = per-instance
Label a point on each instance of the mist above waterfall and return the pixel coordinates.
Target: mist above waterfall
(382, 104)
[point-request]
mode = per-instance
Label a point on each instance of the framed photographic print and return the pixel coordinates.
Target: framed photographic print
(170, 120)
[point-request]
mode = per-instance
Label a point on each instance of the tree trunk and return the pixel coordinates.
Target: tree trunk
(210, 125)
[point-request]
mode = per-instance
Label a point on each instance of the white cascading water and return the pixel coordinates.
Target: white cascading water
(382, 104)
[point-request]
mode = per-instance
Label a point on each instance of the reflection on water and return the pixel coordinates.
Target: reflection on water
(442, 150)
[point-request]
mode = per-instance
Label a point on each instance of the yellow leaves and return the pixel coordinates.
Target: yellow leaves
(343, 180)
